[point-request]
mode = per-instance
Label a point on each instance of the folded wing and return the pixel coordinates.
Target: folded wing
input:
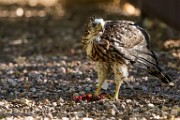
(131, 42)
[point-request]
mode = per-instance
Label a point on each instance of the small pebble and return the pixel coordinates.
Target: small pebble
(75, 94)
(165, 108)
(82, 92)
(12, 82)
(171, 84)
(151, 105)
(79, 114)
(157, 117)
(128, 100)
(54, 104)
(132, 118)
(87, 89)
(72, 89)
(65, 118)
(62, 70)
(144, 109)
(112, 111)
(144, 88)
(115, 108)
(85, 118)
(174, 111)
(105, 85)
(33, 89)
(123, 106)
(88, 79)
(61, 100)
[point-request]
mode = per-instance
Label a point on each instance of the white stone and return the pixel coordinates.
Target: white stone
(105, 85)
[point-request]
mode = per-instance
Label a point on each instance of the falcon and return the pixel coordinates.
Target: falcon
(114, 45)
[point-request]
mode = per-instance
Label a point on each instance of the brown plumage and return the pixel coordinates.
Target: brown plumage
(117, 44)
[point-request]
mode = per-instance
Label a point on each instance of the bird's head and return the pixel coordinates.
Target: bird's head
(95, 25)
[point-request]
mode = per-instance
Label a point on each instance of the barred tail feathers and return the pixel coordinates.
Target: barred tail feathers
(157, 71)
(148, 59)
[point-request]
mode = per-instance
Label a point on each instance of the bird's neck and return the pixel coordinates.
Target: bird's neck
(89, 40)
(89, 44)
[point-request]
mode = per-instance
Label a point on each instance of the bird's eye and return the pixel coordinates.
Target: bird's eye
(94, 24)
(92, 18)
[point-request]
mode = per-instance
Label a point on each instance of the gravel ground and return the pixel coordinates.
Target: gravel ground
(42, 68)
(43, 87)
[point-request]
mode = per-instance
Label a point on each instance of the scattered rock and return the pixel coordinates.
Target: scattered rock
(33, 89)
(128, 100)
(150, 105)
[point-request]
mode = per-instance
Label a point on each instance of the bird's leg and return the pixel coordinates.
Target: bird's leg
(120, 73)
(102, 69)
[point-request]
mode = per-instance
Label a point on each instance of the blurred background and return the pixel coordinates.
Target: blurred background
(54, 27)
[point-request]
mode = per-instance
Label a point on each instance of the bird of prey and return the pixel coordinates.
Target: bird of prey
(113, 45)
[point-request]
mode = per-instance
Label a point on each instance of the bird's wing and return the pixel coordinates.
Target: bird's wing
(130, 41)
(125, 33)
